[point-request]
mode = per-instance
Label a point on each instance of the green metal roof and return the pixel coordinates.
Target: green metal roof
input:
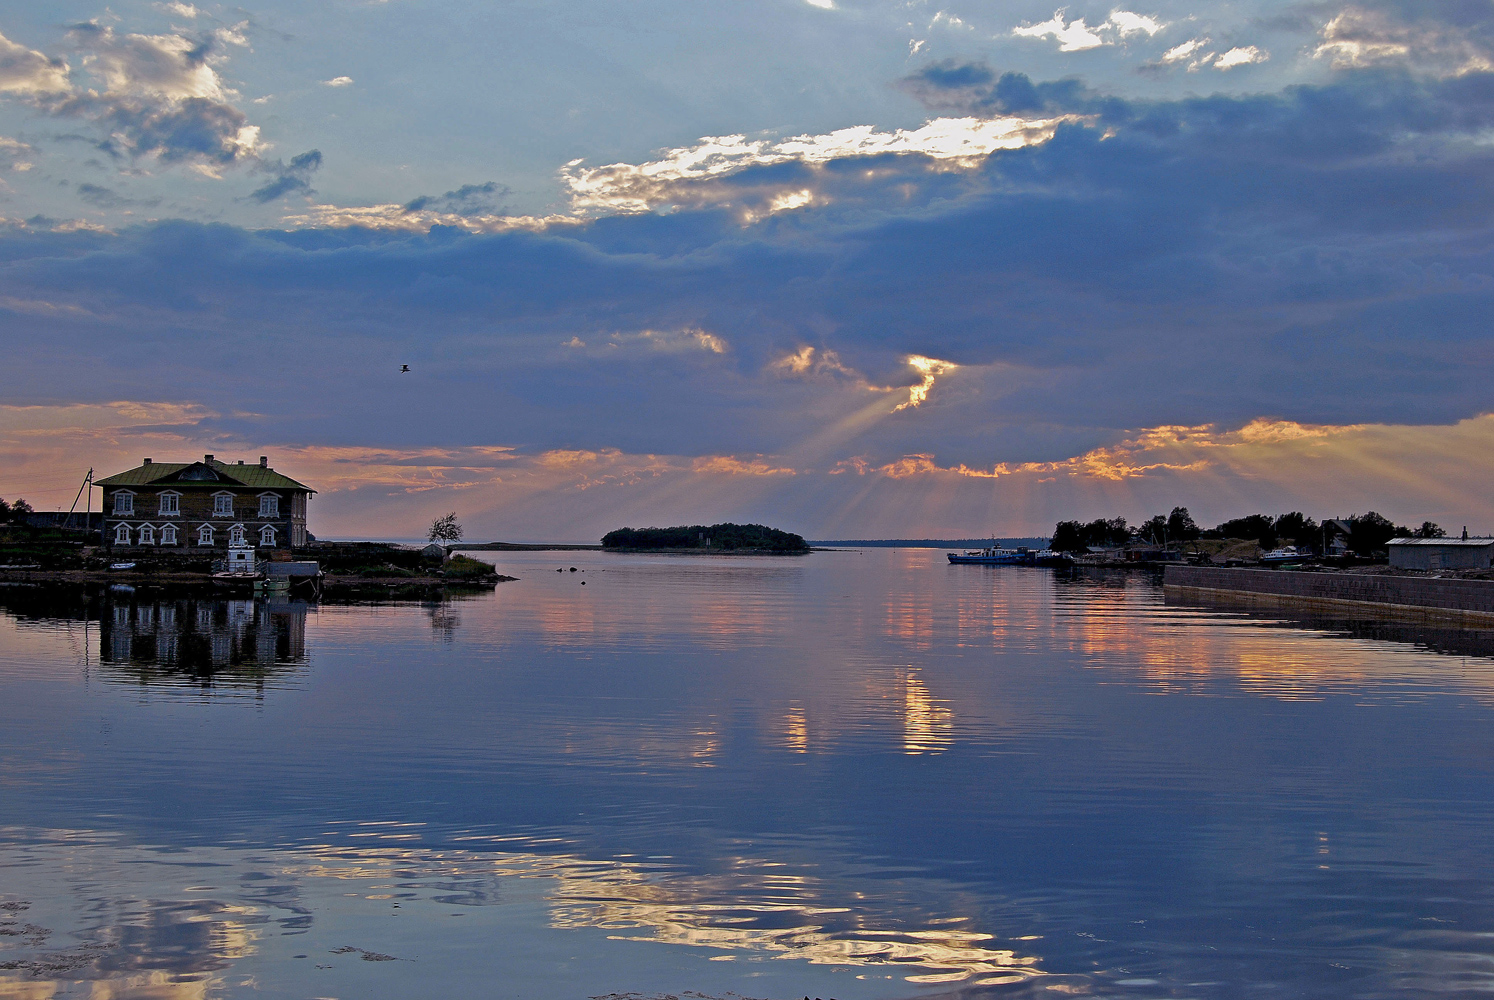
(252, 476)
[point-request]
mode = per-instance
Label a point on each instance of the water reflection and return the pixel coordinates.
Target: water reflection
(180, 942)
(867, 779)
(202, 642)
(152, 638)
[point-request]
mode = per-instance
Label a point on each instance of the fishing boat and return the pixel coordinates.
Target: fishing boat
(994, 556)
(1287, 554)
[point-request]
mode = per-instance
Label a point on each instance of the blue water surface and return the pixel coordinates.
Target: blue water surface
(862, 774)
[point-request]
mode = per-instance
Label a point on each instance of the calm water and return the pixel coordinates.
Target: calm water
(853, 775)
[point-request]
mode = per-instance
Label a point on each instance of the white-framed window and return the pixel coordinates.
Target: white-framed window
(168, 534)
(236, 535)
(147, 535)
(267, 536)
(121, 534)
(124, 503)
(170, 504)
(223, 505)
(205, 535)
(269, 505)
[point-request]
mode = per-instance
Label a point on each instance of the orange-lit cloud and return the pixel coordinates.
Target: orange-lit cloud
(1406, 471)
(929, 368)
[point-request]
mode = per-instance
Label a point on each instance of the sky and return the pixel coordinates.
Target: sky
(853, 268)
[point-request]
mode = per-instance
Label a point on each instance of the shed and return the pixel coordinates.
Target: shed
(1441, 553)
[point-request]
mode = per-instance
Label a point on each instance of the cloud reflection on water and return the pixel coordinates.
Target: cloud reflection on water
(178, 944)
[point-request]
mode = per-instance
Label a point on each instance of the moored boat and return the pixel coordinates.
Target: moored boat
(994, 556)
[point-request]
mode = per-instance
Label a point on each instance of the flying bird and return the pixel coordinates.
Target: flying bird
(404, 368)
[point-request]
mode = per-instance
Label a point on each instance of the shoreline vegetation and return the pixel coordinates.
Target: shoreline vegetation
(1362, 535)
(715, 539)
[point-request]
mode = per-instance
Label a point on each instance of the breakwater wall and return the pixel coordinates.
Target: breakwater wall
(1468, 602)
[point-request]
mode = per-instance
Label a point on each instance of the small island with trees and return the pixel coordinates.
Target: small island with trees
(714, 539)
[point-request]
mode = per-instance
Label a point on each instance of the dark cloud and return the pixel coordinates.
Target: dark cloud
(467, 200)
(108, 198)
(292, 178)
(975, 88)
(1324, 254)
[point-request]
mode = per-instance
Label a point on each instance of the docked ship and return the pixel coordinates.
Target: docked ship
(994, 556)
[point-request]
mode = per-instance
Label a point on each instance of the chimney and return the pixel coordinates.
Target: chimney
(207, 460)
(147, 461)
(264, 461)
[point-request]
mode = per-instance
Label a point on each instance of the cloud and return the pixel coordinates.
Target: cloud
(1319, 256)
(107, 198)
(687, 339)
(1359, 36)
(338, 81)
(26, 71)
(930, 369)
(172, 67)
(1072, 36)
(693, 175)
(1125, 24)
(810, 361)
(153, 96)
(179, 9)
(292, 178)
(1076, 36)
(14, 154)
(469, 200)
(1241, 56)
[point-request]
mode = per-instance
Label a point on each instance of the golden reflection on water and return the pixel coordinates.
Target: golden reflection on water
(753, 908)
(796, 729)
(1190, 649)
(177, 945)
(928, 724)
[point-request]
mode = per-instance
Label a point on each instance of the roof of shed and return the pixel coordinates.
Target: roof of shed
(252, 476)
(1458, 542)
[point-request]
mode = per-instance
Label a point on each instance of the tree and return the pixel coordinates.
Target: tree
(1370, 532)
(1107, 532)
(446, 529)
(1257, 527)
(1068, 536)
(1153, 529)
(1429, 530)
(1180, 526)
(1301, 529)
(14, 512)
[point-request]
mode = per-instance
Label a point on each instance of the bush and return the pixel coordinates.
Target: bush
(465, 567)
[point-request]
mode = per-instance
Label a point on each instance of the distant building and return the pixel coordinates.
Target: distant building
(72, 521)
(207, 504)
(1441, 553)
(1336, 536)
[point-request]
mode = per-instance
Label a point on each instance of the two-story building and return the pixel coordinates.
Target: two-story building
(207, 504)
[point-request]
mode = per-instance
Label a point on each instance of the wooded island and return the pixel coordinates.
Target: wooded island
(741, 539)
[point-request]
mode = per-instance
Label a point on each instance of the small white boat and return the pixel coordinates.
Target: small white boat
(129, 565)
(1285, 554)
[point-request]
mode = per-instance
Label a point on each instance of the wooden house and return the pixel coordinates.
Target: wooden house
(201, 505)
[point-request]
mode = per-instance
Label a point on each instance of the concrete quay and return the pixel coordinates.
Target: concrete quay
(1465, 602)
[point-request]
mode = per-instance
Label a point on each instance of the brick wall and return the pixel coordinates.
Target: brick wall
(1411, 592)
